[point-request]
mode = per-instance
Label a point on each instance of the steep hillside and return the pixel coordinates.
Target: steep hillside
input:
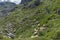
(39, 23)
(6, 7)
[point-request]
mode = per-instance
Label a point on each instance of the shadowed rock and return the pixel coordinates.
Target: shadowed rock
(58, 11)
(25, 3)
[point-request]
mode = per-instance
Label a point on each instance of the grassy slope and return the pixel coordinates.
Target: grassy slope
(26, 20)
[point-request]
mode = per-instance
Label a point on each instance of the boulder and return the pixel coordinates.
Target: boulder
(11, 35)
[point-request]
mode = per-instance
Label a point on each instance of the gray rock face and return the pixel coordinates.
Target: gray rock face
(37, 2)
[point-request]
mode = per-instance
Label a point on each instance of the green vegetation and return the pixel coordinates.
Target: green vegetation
(33, 23)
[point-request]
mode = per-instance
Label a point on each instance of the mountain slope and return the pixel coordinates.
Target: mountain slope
(5, 7)
(39, 23)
